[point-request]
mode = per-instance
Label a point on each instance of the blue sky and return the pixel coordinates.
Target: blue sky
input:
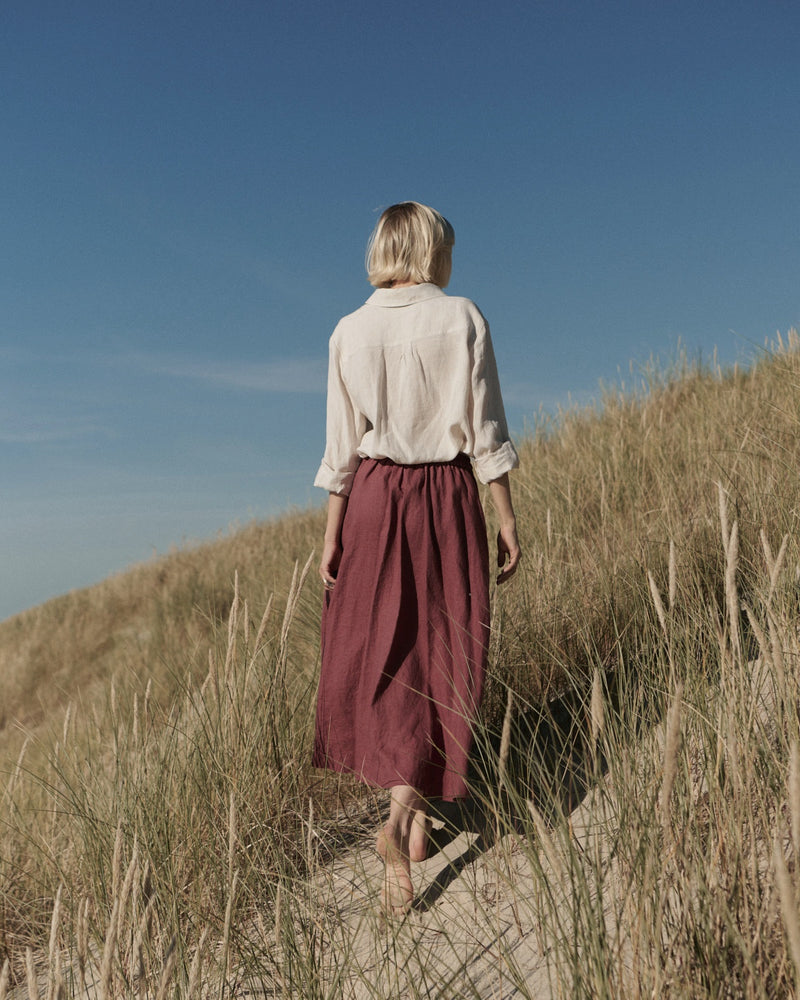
(188, 189)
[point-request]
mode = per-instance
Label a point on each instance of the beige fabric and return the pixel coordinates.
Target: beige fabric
(412, 377)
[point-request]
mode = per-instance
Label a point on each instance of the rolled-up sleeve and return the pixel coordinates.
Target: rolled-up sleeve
(493, 451)
(345, 427)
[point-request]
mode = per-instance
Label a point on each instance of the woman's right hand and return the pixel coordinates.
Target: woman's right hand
(508, 552)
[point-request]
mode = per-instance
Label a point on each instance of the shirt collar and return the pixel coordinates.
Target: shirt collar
(393, 297)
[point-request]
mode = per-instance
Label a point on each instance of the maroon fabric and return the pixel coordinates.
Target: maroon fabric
(405, 630)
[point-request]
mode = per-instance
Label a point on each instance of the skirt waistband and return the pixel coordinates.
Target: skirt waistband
(461, 461)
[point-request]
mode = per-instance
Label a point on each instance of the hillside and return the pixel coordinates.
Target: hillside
(142, 624)
(644, 662)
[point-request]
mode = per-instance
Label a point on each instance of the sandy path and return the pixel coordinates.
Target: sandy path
(472, 932)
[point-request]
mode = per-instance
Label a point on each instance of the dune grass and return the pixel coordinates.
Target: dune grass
(637, 767)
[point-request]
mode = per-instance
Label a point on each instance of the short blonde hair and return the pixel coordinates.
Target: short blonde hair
(411, 242)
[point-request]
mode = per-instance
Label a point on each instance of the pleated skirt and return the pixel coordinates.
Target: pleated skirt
(405, 631)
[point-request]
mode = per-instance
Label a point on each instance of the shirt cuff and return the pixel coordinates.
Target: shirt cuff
(333, 481)
(492, 466)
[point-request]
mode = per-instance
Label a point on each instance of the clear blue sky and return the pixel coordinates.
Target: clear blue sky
(187, 190)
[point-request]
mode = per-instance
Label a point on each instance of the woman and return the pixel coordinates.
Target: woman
(413, 395)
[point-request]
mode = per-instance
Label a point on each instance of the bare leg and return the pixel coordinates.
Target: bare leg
(395, 847)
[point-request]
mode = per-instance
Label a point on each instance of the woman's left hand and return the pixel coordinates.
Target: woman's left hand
(329, 565)
(332, 546)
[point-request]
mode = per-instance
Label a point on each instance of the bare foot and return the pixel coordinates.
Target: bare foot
(419, 837)
(398, 892)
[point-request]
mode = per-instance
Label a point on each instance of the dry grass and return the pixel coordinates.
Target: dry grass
(638, 759)
(144, 623)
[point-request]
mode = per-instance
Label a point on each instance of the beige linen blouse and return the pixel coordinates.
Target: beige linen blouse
(412, 377)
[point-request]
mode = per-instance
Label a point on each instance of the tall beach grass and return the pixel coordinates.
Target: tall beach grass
(636, 823)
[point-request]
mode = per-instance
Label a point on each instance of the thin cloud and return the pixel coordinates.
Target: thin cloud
(33, 436)
(531, 397)
(42, 432)
(293, 375)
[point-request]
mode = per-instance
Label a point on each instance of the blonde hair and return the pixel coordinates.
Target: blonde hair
(411, 242)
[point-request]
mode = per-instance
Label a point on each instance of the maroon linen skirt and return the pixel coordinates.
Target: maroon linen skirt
(405, 631)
